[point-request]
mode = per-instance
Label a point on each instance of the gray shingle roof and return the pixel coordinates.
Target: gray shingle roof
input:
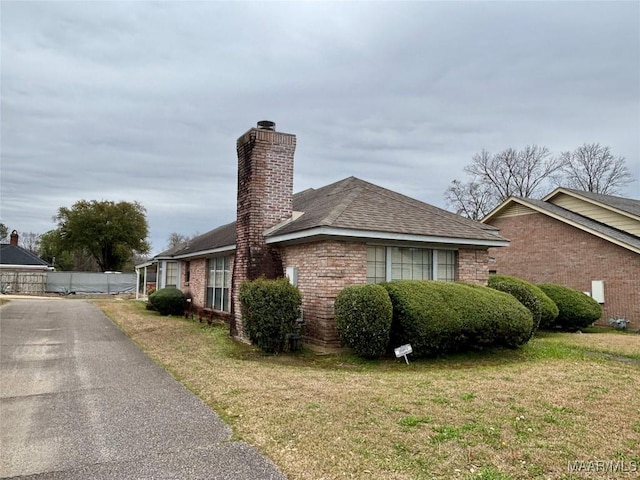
(14, 255)
(616, 234)
(358, 205)
(354, 204)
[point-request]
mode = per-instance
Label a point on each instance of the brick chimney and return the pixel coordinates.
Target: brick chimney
(265, 191)
(14, 238)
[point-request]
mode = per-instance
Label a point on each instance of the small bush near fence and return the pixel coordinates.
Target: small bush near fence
(542, 308)
(440, 317)
(270, 309)
(576, 310)
(363, 319)
(168, 301)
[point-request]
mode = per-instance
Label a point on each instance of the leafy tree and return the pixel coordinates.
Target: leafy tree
(109, 232)
(4, 232)
(52, 251)
(593, 168)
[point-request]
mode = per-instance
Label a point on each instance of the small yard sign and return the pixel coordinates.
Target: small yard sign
(403, 351)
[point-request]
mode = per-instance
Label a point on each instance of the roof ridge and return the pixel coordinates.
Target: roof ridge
(334, 214)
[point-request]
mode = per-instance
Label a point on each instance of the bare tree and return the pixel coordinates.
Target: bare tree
(472, 200)
(593, 168)
(177, 239)
(513, 172)
(498, 176)
(30, 241)
(4, 232)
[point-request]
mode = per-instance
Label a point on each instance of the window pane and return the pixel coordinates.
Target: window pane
(217, 299)
(209, 302)
(225, 300)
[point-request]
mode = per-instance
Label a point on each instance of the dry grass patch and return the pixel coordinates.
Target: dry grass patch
(499, 415)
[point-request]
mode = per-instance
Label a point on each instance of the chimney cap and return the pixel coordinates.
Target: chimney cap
(266, 125)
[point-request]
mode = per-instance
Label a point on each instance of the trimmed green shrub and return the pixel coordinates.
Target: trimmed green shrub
(363, 319)
(575, 309)
(168, 301)
(269, 312)
(523, 292)
(546, 310)
(442, 317)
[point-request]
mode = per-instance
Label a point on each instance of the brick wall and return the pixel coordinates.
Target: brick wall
(546, 250)
(197, 287)
(473, 265)
(265, 193)
(324, 269)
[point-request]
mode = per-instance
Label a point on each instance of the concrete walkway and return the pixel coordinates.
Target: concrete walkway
(78, 400)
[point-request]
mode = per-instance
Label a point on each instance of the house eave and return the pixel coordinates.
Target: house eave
(354, 234)
(43, 268)
(204, 253)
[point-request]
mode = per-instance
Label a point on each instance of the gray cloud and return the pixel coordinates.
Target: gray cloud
(144, 101)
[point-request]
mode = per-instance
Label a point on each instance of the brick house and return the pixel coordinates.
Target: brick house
(584, 240)
(323, 239)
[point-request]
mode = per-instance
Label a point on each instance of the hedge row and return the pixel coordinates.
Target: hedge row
(575, 309)
(442, 317)
(542, 308)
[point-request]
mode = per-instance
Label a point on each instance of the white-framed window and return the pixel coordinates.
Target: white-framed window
(385, 264)
(376, 264)
(218, 283)
(171, 280)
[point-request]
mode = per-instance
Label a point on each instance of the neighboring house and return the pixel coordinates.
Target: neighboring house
(349, 232)
(21, 271)
(584, 240)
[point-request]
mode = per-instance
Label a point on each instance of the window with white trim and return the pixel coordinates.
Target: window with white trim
(407, 263)
(218, 282)
(171, 280)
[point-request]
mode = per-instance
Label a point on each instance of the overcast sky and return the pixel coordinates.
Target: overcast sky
(144, 101)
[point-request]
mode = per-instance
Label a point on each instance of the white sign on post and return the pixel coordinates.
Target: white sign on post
(403, 351)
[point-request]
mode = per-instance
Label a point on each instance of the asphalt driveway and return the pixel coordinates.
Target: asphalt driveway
(78, 400)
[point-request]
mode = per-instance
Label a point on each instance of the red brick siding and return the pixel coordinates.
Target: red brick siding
(265, 192)
(197, 281)
(473, 266)
(547, 250)
(324, 269)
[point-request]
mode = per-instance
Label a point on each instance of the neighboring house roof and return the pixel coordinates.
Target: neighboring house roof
(13, 256)
(626, 205)
(589, 225)
(357, 209)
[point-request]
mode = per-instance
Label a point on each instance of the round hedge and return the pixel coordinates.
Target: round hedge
(270, 309)
(542, 308)
(363, 319)
(575, 309)
(441, 317)
(168, 301)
